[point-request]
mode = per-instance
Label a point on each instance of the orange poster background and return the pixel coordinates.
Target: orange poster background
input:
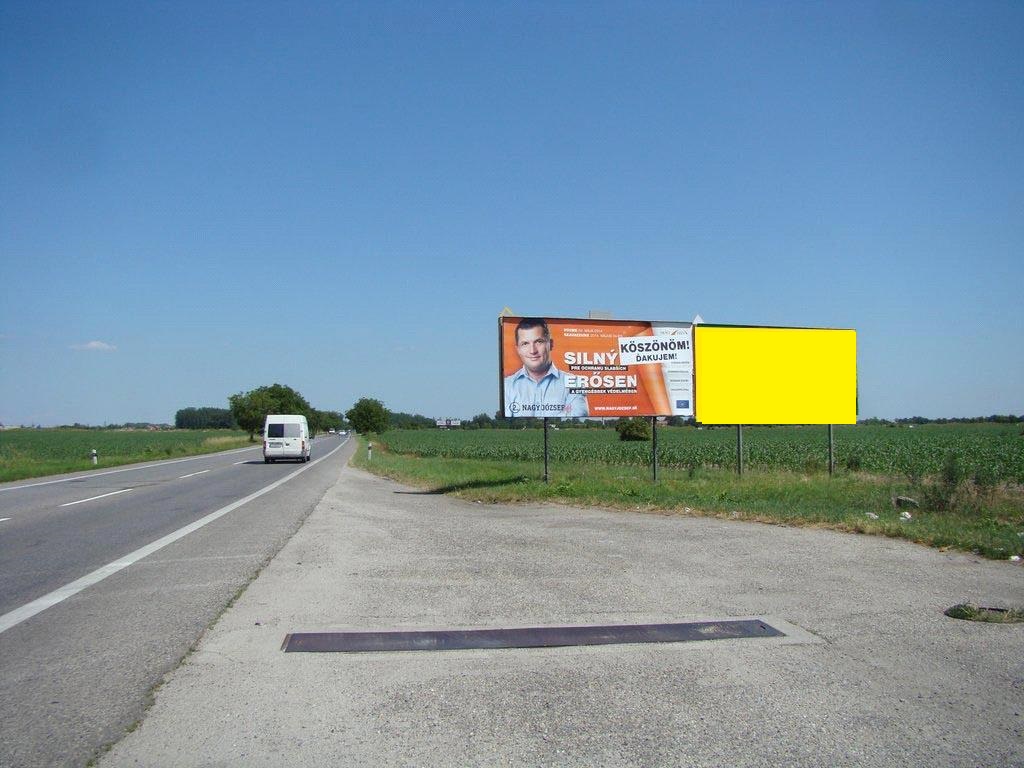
(651, 398)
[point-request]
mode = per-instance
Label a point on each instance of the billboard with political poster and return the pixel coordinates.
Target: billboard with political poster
(570, 368)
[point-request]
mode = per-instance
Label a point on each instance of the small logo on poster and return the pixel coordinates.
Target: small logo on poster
(682, 403)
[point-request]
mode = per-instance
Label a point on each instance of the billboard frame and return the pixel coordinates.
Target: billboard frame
(739, 427)
(689, 325)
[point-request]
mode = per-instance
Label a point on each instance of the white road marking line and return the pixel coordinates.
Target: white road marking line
(27, 611)
(147, 465)
(240, 462)
(93, 498)
(4, 519)
(200, 472)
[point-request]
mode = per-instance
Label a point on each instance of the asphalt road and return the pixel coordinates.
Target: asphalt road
(75, 675)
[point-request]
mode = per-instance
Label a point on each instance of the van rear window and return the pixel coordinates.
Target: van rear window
(283, 430)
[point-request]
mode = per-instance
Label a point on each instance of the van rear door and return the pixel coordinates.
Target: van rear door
(284, 439)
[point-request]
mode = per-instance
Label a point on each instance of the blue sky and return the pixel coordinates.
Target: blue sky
(198, 199)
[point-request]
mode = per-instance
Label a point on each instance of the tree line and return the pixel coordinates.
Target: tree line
(248, 411)
(205, 418)
(994, 419)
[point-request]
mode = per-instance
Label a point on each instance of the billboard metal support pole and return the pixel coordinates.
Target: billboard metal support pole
(654, 446)
(545, 449)
(739, 449)
(831, 452)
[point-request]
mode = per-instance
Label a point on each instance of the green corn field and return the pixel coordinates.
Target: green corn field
(994, 453)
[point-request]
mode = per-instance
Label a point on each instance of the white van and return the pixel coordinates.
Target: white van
(285, 437)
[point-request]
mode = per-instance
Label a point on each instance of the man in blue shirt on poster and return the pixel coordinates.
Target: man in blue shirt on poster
(538, 388)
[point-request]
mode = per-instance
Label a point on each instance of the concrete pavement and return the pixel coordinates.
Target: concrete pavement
(871, 673)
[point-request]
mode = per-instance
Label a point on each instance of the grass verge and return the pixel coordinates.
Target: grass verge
(846, 502)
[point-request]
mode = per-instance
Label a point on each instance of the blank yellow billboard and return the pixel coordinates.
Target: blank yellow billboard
(749, 375)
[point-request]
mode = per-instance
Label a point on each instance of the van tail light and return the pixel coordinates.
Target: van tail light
(303, 445)
(265, 446)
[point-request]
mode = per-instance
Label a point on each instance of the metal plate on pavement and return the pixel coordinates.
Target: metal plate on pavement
(528, 637)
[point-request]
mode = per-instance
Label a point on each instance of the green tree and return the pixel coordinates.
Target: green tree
(204, 418)
(250, 409)
(321, 421)
(399, 420)
(316, 422)
(368, 415)
(637, 428)
(482, 421)
(331, 420)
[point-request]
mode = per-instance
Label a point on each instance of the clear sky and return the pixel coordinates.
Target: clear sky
(201, 198)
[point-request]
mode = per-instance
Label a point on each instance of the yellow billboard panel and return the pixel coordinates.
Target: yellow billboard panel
(749, 375)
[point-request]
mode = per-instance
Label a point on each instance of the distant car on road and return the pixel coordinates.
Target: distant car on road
(286, 436)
